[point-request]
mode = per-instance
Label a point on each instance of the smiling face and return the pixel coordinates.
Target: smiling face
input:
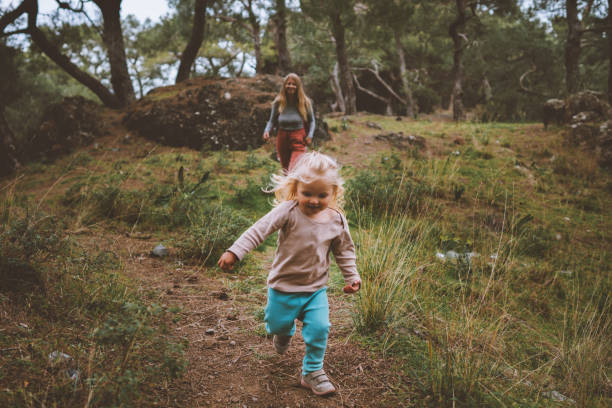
(291, 86)
(314, 197)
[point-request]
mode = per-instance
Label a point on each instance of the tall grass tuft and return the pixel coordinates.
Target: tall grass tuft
(583, 354)
(387, 260)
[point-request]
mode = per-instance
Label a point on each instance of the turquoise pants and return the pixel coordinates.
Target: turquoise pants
(313, 310)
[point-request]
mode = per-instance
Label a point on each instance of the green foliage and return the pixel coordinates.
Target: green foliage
(161, 205)
(426, 99)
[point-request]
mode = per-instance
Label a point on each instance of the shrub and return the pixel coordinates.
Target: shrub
(427, 99)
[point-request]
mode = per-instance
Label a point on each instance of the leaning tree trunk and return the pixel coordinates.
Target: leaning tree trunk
(346, 79)
(284, 58)
(195, 41)
(410, 108)
(113, 40)
(457, 94)
(54, 53)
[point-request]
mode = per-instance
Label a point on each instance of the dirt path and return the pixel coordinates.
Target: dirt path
(230, 362)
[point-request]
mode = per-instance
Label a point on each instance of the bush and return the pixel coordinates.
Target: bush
(427, 99)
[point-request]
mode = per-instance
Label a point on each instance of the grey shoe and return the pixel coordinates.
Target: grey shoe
(281, 343)
(318, 382)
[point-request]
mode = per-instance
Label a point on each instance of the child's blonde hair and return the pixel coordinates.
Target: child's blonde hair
(309, 167)
(303, 102)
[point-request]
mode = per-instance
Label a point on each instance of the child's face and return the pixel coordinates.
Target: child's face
(314, 197)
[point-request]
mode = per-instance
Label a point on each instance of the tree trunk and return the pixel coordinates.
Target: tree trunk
(195, 41)
(113, 40)
(51, 51)
(410, 108)
(335, 84)
(572, 46)
(257, 46)
(346, 79)
(8, 156)
(457, 95)
(609, 52)
(284, 58)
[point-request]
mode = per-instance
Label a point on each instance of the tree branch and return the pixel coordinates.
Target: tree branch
(9, 33)
(524, 88)
(11, 16)
(382, 81)
(66, 6)
(371, 93)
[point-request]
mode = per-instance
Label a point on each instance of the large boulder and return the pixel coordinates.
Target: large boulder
(209, 114)
(590, 118)
(586, 101)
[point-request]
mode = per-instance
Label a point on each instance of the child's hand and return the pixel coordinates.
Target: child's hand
(353, 288)
(227, 261)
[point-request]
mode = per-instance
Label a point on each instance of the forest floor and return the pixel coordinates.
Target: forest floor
(230, 362)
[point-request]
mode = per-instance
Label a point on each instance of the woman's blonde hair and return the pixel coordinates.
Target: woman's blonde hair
(303, 102)
(309, 167)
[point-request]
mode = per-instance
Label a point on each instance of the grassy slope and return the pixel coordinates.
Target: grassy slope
(531, 308)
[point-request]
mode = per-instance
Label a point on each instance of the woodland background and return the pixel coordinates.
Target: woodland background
(500, 59)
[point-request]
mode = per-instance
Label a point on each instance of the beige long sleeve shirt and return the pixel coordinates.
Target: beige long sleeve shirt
(301, 262)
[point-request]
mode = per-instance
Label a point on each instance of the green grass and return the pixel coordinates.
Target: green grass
(526, 313)
(76, 302)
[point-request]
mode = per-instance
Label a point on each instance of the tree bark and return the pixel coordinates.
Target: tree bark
(410, 108)
(195, 41)
(284, 58)
(115, 48)
(457, 94)
(346, 79)
(335, 84)
(572, 46)
(256, 31)
(573, 49)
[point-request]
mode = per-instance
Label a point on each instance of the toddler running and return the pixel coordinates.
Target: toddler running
(308, 216)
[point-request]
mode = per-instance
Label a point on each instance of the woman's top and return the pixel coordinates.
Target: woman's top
(301, 262)
(290, 119)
